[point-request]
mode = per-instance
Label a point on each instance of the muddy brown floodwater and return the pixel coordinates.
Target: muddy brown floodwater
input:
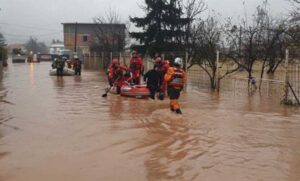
(63, 130)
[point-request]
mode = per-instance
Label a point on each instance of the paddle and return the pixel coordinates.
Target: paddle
(107, 90)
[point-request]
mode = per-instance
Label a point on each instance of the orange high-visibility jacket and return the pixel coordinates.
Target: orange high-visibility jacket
(175, 77)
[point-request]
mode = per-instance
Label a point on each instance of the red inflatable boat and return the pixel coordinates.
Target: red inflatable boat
(129, 90)
(137, 91)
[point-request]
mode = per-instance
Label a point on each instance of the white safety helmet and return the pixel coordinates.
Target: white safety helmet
(178, 61)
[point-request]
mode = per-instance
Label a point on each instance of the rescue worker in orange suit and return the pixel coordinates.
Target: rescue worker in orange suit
(116, 74)
(175, 79)
(136, 67)
(163, 66)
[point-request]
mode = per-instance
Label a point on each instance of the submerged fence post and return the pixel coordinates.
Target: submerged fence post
(186, 68)
(94, 62)
(297, 79)
(186, 61)
(286, 78)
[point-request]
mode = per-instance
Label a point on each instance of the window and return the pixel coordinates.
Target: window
(85, 38)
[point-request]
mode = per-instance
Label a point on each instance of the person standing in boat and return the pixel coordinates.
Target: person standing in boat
(116, 74)
(112, 76)
(60, 64)
(153, 79)
(136, 67)
(77, 65)
(175, 79)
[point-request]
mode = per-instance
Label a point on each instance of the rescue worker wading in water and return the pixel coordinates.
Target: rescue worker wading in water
(136, 67)
(175, 79)
(116, 74)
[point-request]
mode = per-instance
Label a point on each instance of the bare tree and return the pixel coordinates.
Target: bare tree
(274, 46)
(34, 45)
(206, 37)
(241, 47)
(244, 41)
(3, 51)
(272, 39)
(2, 40)
(110, 32)
(110, 17)
(192, 9)
(294, 29)
(295, 13)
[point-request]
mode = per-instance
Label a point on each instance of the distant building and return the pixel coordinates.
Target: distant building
(94, 37)
(55, 48)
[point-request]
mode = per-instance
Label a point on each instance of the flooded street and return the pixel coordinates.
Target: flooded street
(62, 129)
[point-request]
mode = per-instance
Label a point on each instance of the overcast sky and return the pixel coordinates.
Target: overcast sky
(20, 19)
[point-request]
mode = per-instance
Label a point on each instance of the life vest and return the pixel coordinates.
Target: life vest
(134, 66)
(177, 79)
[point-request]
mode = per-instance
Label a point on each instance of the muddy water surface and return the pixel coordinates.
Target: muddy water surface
(62, 129)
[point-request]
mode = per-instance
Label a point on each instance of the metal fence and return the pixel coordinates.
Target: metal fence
(198, 79)
(293, 77)
(283, 85)
(100, 61)
(294, 80)
(94, 61)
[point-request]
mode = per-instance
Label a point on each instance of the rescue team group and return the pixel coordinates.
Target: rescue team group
(162, 78)
(60, 62)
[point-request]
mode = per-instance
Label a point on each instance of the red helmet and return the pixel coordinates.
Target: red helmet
(115, 62)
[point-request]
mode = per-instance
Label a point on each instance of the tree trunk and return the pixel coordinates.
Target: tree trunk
(213, 84)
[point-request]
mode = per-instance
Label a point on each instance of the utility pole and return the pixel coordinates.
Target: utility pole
(75, 44)
(286, 78)
(217, 80)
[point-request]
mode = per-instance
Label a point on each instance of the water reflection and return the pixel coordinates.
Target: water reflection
(116, 107)
(77, 78)
(58, 82)
(32, 74)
